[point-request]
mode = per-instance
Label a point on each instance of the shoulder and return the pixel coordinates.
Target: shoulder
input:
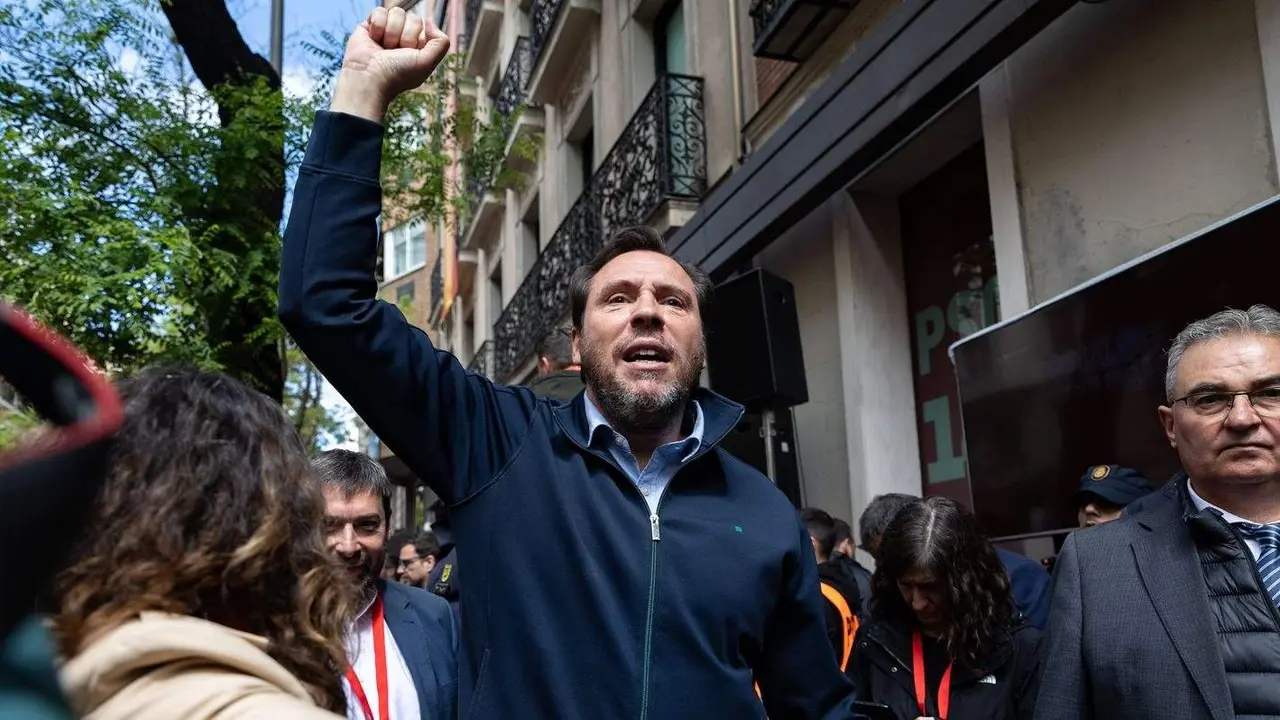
(1021, 565)
(426, 603)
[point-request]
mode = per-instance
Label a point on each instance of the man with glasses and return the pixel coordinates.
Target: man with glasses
(1175, 612)
(418, 556)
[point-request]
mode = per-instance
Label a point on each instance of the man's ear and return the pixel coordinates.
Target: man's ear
(1166, 421)
(576, 337)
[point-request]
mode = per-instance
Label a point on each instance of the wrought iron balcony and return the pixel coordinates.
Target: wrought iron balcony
(793, 30)
(483, 19)
(558, 27)
(511, 93)
(544, 294)
(483, 361)
(660, 157)
(543, 16)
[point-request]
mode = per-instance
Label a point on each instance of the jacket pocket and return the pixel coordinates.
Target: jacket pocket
(482, 678)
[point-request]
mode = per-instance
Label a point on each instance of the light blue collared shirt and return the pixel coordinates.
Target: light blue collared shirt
(663, 464)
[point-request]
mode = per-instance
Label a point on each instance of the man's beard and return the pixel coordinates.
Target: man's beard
(631, 412)
(364, 567)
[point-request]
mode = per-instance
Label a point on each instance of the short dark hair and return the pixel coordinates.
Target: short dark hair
(557, 346)
(822, 528)
(424, 544)
(396, 540)
(878, 514)
(843, 531)
(353, 473)
(629, 239)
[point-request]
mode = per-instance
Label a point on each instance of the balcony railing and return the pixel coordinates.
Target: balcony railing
(660, 156)
(470, 18)
(543, 15)
(511, 92)
(793, 30)
(483, 361)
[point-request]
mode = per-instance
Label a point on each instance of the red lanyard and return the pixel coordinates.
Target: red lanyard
(380, 668)
(944, 687)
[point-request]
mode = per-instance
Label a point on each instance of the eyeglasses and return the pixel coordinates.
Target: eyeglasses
(405, 563)
(1265, 401)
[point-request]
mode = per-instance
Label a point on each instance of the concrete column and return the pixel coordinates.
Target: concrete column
(875, 350)
(1269, 48)
(1002, 185)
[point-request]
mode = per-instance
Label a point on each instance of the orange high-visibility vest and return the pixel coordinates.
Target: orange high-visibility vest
(848, 621)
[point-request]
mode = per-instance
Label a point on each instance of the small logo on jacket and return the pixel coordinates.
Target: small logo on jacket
(737, 528)
(988, 680)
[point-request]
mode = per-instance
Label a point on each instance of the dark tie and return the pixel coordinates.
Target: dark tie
(1268, 537)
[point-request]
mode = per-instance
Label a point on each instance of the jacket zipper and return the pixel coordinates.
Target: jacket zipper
(655, 535)
(1253, 565)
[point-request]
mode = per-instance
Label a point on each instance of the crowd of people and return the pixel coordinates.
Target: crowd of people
(618, 562)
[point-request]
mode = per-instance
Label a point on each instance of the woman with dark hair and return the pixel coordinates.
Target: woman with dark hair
(202, 587)
(945, 640)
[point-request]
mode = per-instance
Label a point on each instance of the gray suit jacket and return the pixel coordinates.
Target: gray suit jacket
(1131, 634)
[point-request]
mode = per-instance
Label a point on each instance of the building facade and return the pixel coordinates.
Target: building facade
(917, 169)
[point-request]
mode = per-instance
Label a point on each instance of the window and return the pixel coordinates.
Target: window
(406, 248)
(404, 292)
(669, 40)
(495, 294)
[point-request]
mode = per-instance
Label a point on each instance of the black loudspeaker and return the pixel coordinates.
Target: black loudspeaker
(753, 342)
(747, 443)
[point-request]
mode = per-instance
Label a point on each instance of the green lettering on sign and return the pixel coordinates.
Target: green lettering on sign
(949, 465)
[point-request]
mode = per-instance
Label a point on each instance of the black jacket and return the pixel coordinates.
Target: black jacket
(835, 575)
(859, 576)
(1003, 689)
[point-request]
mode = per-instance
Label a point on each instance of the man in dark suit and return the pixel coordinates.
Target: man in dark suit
(1172, 612)
(403, 639)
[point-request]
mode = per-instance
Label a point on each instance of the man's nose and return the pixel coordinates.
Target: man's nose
(1241, 414)
(345, 541)
(918, 601)
(645, 311)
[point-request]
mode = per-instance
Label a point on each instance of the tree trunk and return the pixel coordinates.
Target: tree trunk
(242, 216)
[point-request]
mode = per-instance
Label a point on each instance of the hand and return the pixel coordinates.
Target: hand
(389, 53)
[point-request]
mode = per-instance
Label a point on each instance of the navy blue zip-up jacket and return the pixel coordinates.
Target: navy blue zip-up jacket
(576, 605)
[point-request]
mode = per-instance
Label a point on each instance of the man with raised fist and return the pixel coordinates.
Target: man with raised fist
(620, 564)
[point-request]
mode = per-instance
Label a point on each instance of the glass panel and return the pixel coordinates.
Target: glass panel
(417, 244)
(399, 251)
(674, 40)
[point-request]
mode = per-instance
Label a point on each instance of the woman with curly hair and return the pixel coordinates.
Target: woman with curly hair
(203, 587)
(945, 640)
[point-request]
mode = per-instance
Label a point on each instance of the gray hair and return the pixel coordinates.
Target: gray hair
(353, 473)
(878, 514)
(1257, 320)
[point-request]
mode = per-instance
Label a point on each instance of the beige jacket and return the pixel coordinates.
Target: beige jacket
(169, 667)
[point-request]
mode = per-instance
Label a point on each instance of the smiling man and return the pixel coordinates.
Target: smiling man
(403, 645)
(668, 576)
(1174, 612)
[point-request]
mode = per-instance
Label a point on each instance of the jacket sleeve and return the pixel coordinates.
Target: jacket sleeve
(1063, 682)
(797, 670)
(1034, 593)
(452, 428)
(1029, 681)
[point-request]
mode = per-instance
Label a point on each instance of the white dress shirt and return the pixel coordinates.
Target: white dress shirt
(404, 696)
(1254, 548)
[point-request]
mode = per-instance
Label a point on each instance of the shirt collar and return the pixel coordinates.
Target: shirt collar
(368, 605)
(1201, 504)
(596, 420)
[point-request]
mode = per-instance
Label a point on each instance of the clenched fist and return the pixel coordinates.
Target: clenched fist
(389, 53)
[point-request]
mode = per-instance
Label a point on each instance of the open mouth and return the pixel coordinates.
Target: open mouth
(645, 356)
